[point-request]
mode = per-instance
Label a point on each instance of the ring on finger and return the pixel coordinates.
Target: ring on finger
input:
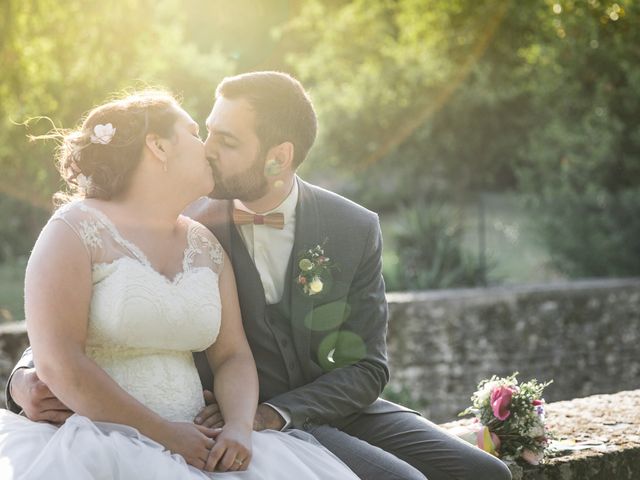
(238, 461)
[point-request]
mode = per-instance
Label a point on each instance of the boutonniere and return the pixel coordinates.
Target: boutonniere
(314, 276)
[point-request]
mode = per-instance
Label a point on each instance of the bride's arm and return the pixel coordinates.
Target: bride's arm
(235, 379)
(58, 289)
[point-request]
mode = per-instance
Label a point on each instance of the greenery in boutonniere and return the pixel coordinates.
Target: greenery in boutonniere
(314, 276)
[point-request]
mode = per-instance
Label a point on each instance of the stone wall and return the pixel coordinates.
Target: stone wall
(584, 335)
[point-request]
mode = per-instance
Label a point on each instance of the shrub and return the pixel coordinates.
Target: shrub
(591, 233)
(429, 245)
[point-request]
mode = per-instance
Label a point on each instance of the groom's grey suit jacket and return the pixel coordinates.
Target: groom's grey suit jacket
(322, 358)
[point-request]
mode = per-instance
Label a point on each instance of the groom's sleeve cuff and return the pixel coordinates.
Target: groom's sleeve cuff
(11, 405)
(283, 413)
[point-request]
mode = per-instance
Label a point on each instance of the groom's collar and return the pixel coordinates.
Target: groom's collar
(287, 207)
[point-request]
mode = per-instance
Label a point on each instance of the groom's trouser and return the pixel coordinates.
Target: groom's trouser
(403, 445)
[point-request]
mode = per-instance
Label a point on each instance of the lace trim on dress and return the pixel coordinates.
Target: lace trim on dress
(89, 231)
(199, 240)
(195, 235)
(108, 224)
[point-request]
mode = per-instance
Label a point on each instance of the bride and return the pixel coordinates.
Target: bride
(120, 290)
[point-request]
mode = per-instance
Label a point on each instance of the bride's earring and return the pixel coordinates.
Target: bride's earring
(164, 167)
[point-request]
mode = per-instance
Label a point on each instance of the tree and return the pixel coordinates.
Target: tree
(581, 163)
(416, 91)
(61, 58)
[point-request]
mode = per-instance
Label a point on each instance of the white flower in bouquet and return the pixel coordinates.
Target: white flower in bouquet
(536, 429)
(482, 396)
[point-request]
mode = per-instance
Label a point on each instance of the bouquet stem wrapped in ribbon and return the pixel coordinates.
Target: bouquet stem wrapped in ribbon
(510, 419)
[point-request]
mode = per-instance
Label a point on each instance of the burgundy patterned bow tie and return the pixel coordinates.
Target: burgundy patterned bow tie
(273, 220)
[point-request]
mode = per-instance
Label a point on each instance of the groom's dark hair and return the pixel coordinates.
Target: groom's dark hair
(284, 112)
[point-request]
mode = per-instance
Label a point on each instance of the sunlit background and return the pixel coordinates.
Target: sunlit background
(499, 140)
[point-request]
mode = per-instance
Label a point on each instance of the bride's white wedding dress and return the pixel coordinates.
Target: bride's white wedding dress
(143, 328)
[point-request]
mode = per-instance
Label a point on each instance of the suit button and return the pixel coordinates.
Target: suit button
(285, 342)
(292, 365)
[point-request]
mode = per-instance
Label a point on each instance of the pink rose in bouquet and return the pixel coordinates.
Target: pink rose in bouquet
(501, 400)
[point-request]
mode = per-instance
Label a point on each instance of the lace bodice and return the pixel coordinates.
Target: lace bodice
(144, 326)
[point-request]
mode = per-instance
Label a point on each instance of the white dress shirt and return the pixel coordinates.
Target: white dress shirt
(270, 249)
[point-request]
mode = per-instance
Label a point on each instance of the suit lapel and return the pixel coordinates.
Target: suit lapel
(250, 289)
(249, 285)
(307, 235)
(214, 214)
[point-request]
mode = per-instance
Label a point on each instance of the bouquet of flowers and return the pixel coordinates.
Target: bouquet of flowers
(511, 418)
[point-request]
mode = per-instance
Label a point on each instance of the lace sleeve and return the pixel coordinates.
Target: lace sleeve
(89, 230)
(203, 250)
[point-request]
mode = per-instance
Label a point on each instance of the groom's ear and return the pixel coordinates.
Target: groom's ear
(281, 155)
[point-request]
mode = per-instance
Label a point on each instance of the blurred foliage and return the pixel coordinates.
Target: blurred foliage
(592, 233)
(448, 96)
(581, 165)
(464, 96)
(21, 223)
(429, 241)
(61, 58)
(426, 90)
(11, 289)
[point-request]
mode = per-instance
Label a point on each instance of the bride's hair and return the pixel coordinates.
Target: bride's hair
(97, 166)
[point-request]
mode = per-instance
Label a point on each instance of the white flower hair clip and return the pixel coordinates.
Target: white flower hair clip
(83, 182)
(103, 134)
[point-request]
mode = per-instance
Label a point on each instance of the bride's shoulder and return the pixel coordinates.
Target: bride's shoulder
(73, 213)
(85, 220)
(75, 209)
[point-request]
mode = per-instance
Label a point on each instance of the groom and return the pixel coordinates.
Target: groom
(308, 264)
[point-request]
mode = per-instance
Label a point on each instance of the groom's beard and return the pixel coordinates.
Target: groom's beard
(245, 186)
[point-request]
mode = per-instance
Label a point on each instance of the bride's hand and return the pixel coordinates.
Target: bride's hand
(232, 449)
(192, 442)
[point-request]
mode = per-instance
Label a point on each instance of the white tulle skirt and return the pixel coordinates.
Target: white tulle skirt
(85, 450)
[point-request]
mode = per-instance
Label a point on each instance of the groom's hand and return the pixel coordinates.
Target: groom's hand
(267, 418)
(35, 398)
(210, 416)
